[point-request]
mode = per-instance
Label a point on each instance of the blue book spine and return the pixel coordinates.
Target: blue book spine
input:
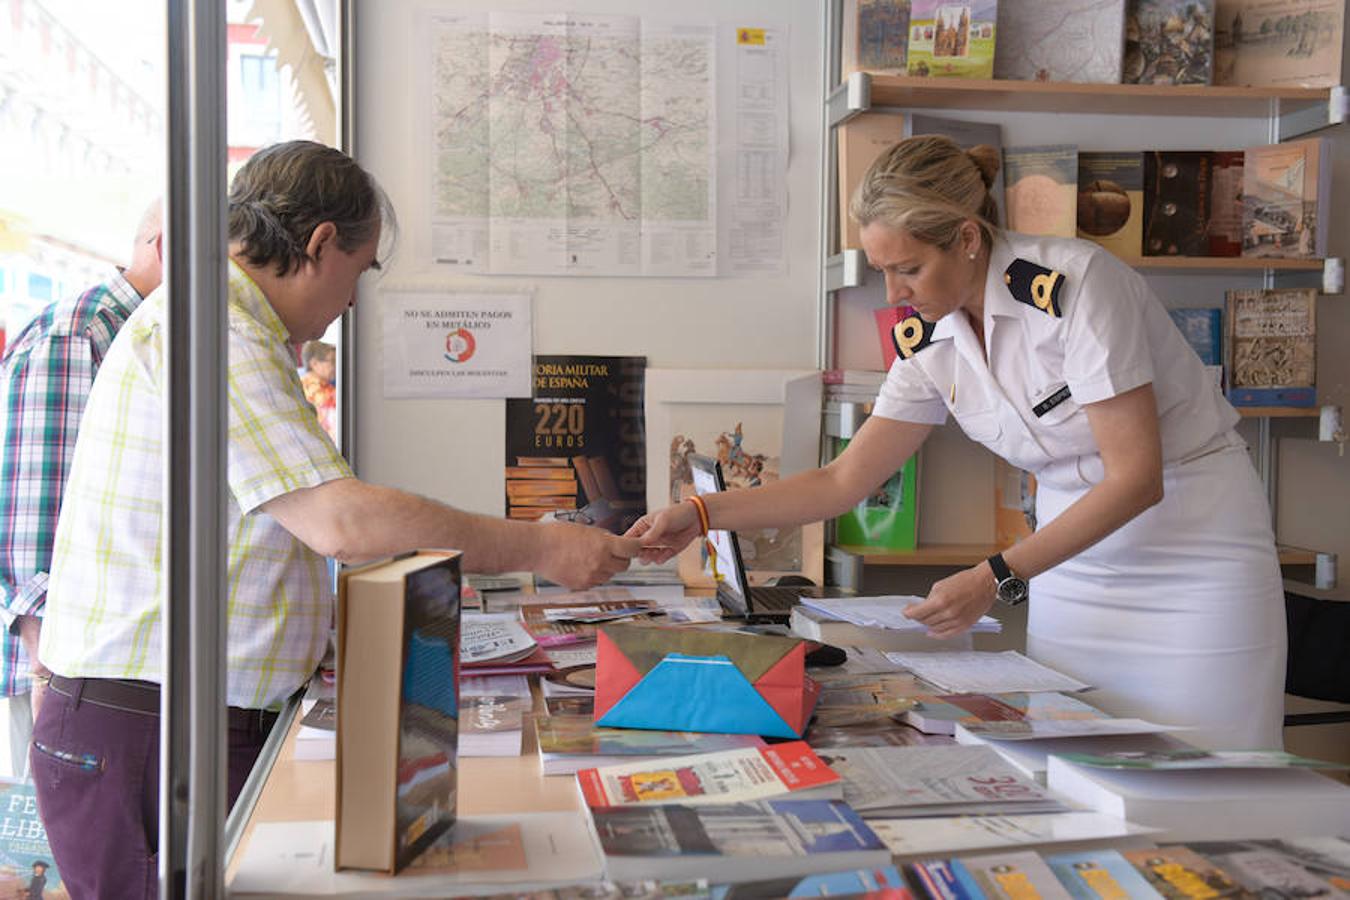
(1203, 330)
(1274, 396)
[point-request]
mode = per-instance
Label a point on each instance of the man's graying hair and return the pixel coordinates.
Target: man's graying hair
(286, 190)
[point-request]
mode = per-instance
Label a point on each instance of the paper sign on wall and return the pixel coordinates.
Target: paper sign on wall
(456, 344)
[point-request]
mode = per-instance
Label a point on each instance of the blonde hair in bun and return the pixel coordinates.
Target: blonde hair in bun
(927, 186)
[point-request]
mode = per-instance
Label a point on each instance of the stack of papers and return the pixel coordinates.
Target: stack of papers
(882, 612)
(978, 672)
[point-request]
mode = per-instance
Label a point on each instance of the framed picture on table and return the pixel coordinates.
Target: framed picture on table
(762, 425)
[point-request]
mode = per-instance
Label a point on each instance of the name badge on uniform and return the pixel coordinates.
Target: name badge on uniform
(1055, 399)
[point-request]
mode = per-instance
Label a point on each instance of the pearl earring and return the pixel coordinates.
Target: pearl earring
(972, 256)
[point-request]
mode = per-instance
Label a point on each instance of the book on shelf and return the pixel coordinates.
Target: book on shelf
(398, 708)
(1018, 875)
(726, 776)
(1286, 199)
(887, 518)
(26, 865)
(1111, 201)
(1176, 202)
(1169, 42)
(1090, 874)
(1214, 804)
(1271, 347)
(1224, 228)
(967, 135)
(875, 37)
(1179, 873)
(952, 40)
(818, 626)
(1014, 503)
(569, 743)
(1203, 330)
(941, 713)
(861, 140)
(1282, 868)
(903, 782)
(735, 842)
(1278, 43)
(1061, 40)
(1041, 192)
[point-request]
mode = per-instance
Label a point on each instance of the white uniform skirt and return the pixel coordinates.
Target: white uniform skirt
(1178, 617)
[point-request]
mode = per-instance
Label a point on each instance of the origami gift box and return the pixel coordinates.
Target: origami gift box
(679, 680)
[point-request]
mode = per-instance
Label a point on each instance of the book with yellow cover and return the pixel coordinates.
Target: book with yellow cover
(1111, 201)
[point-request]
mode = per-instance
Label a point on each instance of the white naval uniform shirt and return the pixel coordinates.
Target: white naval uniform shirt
(1112, 335)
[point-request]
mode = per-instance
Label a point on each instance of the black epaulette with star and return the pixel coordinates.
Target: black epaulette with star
(911, 334)
(1035, 286)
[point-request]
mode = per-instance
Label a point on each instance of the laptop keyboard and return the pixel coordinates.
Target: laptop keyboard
(776, 599)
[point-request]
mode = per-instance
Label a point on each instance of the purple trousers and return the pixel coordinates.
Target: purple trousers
(96, 770)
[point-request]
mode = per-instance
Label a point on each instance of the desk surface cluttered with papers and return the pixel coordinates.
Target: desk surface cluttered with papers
(928, 769)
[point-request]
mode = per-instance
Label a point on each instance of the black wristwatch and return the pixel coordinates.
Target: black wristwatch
(1012, 591)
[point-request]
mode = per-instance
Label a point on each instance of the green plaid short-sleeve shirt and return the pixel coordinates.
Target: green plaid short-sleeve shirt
(107, 583)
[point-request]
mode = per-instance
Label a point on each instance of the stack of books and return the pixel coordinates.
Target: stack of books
(537, 485)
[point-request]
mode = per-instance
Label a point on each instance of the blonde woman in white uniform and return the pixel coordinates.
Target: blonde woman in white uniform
(1153, 573)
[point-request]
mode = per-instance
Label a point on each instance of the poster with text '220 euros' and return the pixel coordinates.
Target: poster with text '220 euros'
(577, 448)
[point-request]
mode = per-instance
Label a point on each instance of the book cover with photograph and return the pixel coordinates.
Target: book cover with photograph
(1111, 201)
(1178, 873)
(1272, 347)
(1286, 193)
(734, 842)
(1061, 40)
(1042, 189)
(1169, 42)
(875, 37)
(1280, 869)
(1278, 43)
(577, 448)
(952, 39)
(26, 865)
(1176, 202)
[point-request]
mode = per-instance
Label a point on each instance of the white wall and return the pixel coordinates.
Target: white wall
(453, 450)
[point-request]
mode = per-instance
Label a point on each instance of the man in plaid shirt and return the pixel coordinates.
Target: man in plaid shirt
(304, 222)
(45, 377)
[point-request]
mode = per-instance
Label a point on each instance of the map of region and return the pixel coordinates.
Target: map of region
(569, 118)
(459, 100)
(1060, 40)
(678, 111)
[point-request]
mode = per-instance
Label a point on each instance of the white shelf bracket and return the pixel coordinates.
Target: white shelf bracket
(850, 98)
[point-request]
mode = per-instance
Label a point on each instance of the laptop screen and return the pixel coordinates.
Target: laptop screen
(707, 476)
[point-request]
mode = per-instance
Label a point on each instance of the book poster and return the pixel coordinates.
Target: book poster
(577, 447)
(456, 344)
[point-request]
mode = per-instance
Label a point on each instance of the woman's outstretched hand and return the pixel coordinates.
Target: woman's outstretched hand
(664, 533)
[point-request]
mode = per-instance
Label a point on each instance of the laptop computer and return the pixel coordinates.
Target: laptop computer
(760, 603)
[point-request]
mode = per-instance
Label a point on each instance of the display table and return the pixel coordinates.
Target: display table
(303, 790)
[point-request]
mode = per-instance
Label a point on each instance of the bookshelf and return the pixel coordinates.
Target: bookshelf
(1282, 113)
(848, 268)
(1298, 110)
